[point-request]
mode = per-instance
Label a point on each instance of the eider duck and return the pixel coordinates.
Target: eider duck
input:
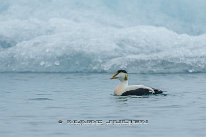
(123, 89)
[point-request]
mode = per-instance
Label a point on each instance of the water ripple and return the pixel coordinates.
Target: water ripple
(40, 99)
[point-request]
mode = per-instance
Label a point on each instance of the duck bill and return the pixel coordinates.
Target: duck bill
(114, 77)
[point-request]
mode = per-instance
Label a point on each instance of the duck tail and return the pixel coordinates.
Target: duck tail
(157, 91)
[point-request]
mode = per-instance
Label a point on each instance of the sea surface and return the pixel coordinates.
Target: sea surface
(31, 104)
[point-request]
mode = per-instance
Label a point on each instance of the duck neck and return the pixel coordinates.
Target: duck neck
(124, 82)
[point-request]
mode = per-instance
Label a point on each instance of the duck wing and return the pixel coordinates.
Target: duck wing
(140, 90)
(137, 92)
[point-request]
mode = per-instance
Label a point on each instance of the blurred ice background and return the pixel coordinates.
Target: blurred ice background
(153, 36)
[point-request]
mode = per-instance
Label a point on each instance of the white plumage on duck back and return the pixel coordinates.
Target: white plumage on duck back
(123, 89)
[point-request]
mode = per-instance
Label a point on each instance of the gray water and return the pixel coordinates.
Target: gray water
(31, 104)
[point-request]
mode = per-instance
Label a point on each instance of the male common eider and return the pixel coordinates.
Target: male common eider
(123, 89)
